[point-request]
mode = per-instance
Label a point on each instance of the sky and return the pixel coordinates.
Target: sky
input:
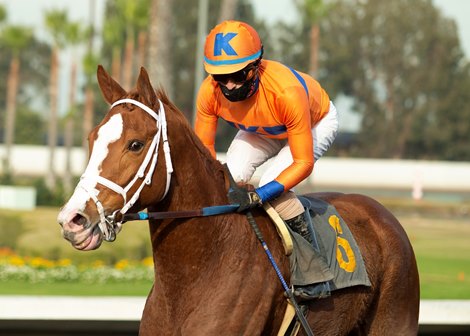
(31, 13)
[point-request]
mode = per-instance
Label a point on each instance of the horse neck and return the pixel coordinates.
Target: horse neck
(199, 179)
(181, 246)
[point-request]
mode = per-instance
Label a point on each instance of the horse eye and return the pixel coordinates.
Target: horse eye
(135, 146)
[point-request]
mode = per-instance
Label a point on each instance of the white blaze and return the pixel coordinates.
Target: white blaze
(107, 134)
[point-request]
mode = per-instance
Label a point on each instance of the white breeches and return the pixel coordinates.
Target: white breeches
(248, 151)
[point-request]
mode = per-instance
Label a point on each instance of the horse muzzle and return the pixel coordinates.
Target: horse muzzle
(84, 234)
(79, 231)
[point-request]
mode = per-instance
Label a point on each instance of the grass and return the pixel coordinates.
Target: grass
(443, 253)
(41, 236)
(441, 244)
(137, 288)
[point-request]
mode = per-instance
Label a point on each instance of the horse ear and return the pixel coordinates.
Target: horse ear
(145, 88)
(111, 90)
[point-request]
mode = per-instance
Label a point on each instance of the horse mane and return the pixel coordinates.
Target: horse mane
(184, 126)
(182, 120)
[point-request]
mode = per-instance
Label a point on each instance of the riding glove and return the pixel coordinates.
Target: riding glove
(244, 198)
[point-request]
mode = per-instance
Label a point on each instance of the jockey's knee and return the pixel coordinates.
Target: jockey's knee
(287, 205)
(240, 174)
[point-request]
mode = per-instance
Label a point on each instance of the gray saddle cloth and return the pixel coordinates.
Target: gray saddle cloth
(334, 256)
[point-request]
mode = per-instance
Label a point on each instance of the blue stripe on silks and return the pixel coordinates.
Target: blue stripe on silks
(275, 130)
(270, 191)
(300, 78)
(272, 130)
(251, 129)
(234, 61)
(143, 215)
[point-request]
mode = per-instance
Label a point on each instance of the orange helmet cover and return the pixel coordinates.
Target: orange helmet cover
(231, 46)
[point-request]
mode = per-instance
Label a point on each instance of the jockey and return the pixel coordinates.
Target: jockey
(281, 113)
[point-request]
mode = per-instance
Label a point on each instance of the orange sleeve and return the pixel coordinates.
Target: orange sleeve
(206, 117)
(294, 107)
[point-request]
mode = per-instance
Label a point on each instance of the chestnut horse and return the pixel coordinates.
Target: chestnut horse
(211, 274)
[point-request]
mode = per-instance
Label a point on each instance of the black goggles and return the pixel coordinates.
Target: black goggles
(239, 77)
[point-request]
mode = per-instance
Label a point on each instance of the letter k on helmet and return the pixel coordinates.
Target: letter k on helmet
(230, 46)
(222, 42)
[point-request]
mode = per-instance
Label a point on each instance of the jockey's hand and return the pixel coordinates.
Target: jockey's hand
(245, 198)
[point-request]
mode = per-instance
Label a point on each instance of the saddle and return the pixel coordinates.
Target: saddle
(333, 258)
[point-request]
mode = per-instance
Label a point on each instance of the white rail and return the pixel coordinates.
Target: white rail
(441, 312)
(328, 171)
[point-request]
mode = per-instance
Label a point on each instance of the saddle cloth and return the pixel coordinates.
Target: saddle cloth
(336, 257)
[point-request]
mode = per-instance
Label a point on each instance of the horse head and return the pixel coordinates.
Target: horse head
(125, 150)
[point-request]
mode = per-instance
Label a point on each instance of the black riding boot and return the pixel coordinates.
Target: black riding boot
(320, 290)
(299, 225)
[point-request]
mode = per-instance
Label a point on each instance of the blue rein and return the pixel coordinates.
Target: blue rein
(207, 211)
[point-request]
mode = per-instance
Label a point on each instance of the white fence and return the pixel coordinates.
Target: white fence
(34, 160)
(344, 172)
(75, 313)
(13, 197)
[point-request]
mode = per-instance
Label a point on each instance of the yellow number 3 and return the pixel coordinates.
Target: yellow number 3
(349, 265)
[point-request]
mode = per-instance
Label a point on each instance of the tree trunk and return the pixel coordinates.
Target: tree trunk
(314, 46)
(116, 64)
(12, 89)
(88, 116)
(142, 49)
(68, 131)
(227, 10)
(199, 73)
(128, 61)
(159, 45)
(68, 142)
(52, 129)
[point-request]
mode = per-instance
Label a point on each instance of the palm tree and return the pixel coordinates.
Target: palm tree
(133, 14)
(313, 11)
(90, 62)
(142, 24)
(56, 20)
(74, 35)
(15, 38)
(89, 68)
(113, 37)
(3, 16)
(160, 44)
(227, 10)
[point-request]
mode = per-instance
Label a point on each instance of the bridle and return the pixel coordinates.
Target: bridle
(109, 225)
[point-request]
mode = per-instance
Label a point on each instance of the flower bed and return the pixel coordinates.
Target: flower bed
(40, 270)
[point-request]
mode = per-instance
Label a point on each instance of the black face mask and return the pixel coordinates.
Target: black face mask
(243, 92)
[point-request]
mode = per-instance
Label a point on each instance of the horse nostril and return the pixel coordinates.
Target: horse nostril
(80, 220)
